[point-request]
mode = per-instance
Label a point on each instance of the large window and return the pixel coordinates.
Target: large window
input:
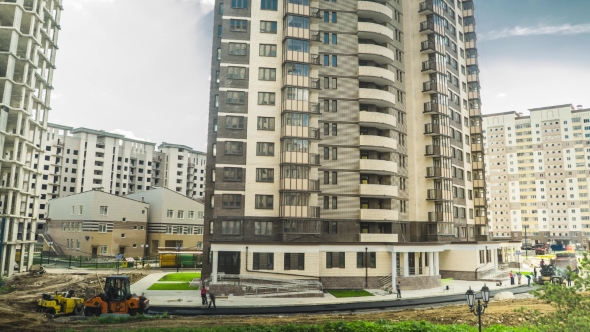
(297, 45)
(296, 119)
(296, 69)
(268, 27)
(234, 122)
(231, 227)
(234, 148)
(268, 4)
(335, 260)
(268, 50)
(231, 174)
(238, 25)
(295, 145)
(294, 261)
(232, 201)
(266, 98)
(180, 214)
(236, 97)
(104, 210)
(297, 94)
(102, 228)
(239, 4)
(236, 73)
(295, 172)
(265, 149)
(297, 199)
(265, 175)
(297, 22)
(265, 123)
(364, 258)
(238, 48)
(263, 261)
(263, 227)
(264, 202)
(267, 74)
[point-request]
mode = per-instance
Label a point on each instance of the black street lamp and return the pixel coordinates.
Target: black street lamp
(478, 309)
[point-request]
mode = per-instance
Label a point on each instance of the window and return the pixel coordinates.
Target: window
(263, 227)
(231, 227)
(268, 27)
(170, 214)
(231, 174)
(220, 9)
(266, 98)
(238, 48)
(268, 50)
(235, 97)
(334, 17)
(232, 201)
(236, 73)
(265, 123)
(238, 25)
(102, 228)
(191, 215)
(103, 250)
(243, 4)
(334, 61)
(334, 153)
(267, 74)
(294, 261)
(234, 148)
(265, 175)
(264, 201)
(104, 210)
(335, 260)
(366, 259)
(234, 122)
(334, 177)
(265, 149)
(180, 214)
(268, 4)
(219, 30)
(200, 215)
(263, 261)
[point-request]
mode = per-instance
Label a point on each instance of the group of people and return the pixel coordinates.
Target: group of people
(204, 292)
(519, 277)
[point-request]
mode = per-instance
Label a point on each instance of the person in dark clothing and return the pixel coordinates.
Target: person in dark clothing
(212, 300)
(398, 287)
(535, 272)
(528, 279)
(569, 280)
(203, 295)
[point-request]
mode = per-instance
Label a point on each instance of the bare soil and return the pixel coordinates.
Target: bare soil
(17, 310)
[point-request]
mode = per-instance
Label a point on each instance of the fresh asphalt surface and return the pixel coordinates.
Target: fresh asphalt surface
(351, 307)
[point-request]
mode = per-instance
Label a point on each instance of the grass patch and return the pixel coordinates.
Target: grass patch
(350, 293)
(174, 286)
(183, 276)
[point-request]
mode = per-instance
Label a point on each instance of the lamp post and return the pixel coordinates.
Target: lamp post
(526, 249)
(178, 247)
(479, 308)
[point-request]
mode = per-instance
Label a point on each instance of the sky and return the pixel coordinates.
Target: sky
(141, 68)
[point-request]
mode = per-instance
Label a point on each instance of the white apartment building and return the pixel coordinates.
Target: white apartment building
(183, 169)
(28, 47)
(536, 174)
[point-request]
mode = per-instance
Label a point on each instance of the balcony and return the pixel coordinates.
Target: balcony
(469, 28)
(303, 158)
(377, 75)
(191, 165)
(470, 44)
(479, 184)
(432, 67)
(301, 81)
(292, 8)
(437, 172)
(435, 108)
(476, 147)
(293, 32)
(436, 129)
(297, 211)
(473, 95)
(378, 143)
(304, 57)
(427, 27)
(436, 216)
(376, 32)
(378, 190)
(477, 165)
(426, 7)
(430, 46)
(438, 151)
(375, 53)
(475, 112)
(432, 86)
(376, 166)
(315, 36)
(290, 184)
(298, 131)
(374, 11)
(475, 129)
(381, 238)
(381, 98)
(473, 78)
(479, 201)
(379, 215)
(377, 120)
(471, 61)
(438, 195)
(300, 106)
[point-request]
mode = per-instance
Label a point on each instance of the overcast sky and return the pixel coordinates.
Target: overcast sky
(141, 67)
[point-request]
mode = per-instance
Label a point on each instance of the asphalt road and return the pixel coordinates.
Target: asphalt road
(322, 308)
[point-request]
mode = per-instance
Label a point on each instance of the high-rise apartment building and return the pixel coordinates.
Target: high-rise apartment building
(344, 142)
(536, 171)
(29, 36)
(183, 169)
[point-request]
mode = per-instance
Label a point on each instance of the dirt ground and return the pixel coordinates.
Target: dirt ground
(17, 310)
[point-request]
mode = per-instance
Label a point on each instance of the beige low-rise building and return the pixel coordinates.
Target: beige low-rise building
(95, 223)
(174, 220)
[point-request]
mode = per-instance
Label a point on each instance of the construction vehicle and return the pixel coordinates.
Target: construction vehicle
(116, 298)
(556, 271)
(61, 304)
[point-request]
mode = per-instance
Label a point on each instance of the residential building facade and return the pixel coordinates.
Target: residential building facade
(536, 175)
(174, 220)
(182, 169)
(29, 35)
(341, 141)
(96, 223)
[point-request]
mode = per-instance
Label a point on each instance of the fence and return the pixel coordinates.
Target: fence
(46, 258)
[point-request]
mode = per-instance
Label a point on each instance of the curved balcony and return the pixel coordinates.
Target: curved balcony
(376, 32)
(378, 143)
(377, 120)
(375, 11)
(381, 98)
(376, 75)
(379, 215)
(375, 53)
(376, 166)
(377, 190)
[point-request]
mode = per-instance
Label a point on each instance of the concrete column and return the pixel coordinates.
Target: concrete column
(423, 262)
(431, 263)
(406, 265)
(436, 264)
(495, 258)
(214, 268)
(393, 268)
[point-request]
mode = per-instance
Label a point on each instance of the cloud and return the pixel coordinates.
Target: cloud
(517, 31)
(129, 134)
(501, 95)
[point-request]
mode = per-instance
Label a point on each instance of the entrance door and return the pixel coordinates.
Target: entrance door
(94, 251)
(228, 262)
(122, 250)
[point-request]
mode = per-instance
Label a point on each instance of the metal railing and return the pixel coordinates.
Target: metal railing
(260, 285)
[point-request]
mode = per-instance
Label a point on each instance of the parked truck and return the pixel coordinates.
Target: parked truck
(541, 249)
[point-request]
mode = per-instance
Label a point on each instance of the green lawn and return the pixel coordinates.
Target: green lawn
(182, 276)
(350, 293)
(172, 286)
